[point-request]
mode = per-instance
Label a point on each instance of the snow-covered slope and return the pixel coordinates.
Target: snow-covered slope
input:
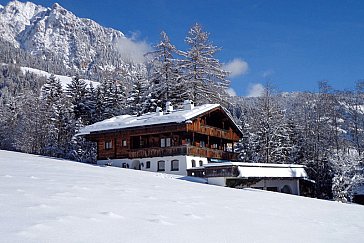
(50, 200)
(81, 43)
(65, 80)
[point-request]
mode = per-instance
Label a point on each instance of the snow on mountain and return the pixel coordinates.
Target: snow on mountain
(15, 17)
(52, 200)
(81, 43)
(65, 80)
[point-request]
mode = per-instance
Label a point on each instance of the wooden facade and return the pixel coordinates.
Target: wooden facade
(210, 135)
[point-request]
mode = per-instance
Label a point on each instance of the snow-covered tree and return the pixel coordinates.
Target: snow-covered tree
(138, 94)
(111, 99)
(77, 93)
(269, 136)
(348, 175)
(58, 121)
(203, 75)
(165, 74)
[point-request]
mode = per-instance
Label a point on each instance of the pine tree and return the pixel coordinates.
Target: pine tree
(111, 99)
(137, 96)
(58, 119)
(91, 101)
(165, 75)
(77, 93)
(270, 137)
(348, 175)
(203, 75)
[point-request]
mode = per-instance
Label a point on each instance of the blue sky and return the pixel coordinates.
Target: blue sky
(291, 44)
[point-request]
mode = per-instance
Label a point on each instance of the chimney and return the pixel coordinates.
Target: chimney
(188, 105)
(169, 107)
(159, 111)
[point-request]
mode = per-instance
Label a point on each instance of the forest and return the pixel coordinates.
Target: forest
(323, 130)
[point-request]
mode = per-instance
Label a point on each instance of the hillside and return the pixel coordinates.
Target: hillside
(50, 200)
(65, 80)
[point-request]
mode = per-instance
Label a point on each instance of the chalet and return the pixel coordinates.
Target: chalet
(286, 178)
(169, 141)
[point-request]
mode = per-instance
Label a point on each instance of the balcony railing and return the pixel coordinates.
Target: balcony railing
(157, 152)
(212, 131)
(182, 150)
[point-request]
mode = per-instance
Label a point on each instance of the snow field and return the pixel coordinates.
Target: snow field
(50, 200)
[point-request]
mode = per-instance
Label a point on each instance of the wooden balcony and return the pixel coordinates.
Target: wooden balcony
(157, 152)
(213, 131)
(182, 150)
(212, 153)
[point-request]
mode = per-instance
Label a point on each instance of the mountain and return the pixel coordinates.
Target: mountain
(82, 45)
(53, 200)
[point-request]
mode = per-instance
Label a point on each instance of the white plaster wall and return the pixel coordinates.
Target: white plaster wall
(197, 159)
(218, 181)
(185, 162)
(167, 160)
(280, 183)
(113, 162)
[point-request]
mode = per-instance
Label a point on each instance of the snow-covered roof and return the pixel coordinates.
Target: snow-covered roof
(261, 171)
(265, 170)
(153, 118)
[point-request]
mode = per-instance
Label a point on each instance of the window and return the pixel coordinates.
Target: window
(202, 144)
(174, 165)
(161, 166)
(193, 163)
(163, 142)
(124, 143)
(147, 165)
(168, 142)
(201, 163)
(108, 144)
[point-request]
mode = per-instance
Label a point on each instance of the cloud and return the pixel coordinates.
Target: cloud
(268, 73)
(255, 90)
(231, 92)
(236, 67)
(132, 50)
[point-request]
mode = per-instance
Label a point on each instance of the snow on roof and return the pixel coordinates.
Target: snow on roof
(250, 171)
(265, 170)
(153, 118)
(250, 164)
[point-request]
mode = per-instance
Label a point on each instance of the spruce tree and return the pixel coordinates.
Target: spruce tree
(165, 76)
(77, 93)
